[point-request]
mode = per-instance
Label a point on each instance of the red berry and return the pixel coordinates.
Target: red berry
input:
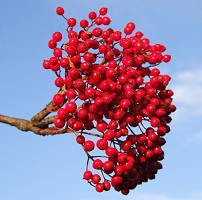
(102, 144)
(71, 107)
(103, 11)
(46, 64)
(166, 58)
(83, 23)
(92, 15)
(80, 139)
(82, 113)
(71, 94)
(107, 185)
(59, 123)
(60, 10)
(62, 113)
(117, 180)
(88, 145)
(57, 36)
(125, 191)
(71, 22)
(106, 20)
(58, 99)
(108, 167)
(99, 187)
(95, 178)
(52, 44)
(87, 175)
(77, 125)
(97, 164)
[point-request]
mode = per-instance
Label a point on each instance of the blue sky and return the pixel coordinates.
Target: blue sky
(34, 167)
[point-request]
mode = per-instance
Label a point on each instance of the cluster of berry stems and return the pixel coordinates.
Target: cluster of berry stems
(113, 97)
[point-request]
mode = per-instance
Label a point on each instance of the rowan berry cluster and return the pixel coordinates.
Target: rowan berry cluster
(113, 98)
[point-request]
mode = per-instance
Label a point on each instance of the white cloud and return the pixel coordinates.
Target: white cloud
(188, 92)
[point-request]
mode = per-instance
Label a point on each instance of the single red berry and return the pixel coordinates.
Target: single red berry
(103, 11)
(57, 36)
(125, 103)
(102, 144)
(80, 139)
(83, 23)
(52, 44)
(59, 82)
(119, 170)
(46, 64)
(57, 52)
(64, 62)
(117, 180)
(88, 145)
(87, 175)
(58, 99)
(82, 113)
(71, 22)
(106, 20)
(98, 20)
(111, 152)
(59, 123)
(108, 166)
(77, 125)
(62, 113)
(60, 10)
(92, 15)
(166, 58)
(95, 178)
(109, 135)
(107, 185)
(99, 187)
(155, 122)
(101, 126)
(97, 164)
(125, 191)
(71, 94)
(71, 107)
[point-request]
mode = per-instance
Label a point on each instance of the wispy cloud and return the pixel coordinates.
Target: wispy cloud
(188, 92)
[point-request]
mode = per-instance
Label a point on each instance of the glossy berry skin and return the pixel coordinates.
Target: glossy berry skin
(95, 179)
(92, 15)
(87, 175)
(103, 11)
(102, 144)
(71, 107)
(57, 36)
(59, 123)
(80, 139)
(99, 187)
(89, 145)
(58, 99)
(71, 22)
(97, 164)
(83, 23)
(71, 94)
(107, 185)
(52, 44)
(60, 10)
(166, 58)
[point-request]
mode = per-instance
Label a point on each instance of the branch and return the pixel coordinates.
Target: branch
(26, 125)
(44, 112)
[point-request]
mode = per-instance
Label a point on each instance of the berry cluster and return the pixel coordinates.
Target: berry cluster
(111, 89)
